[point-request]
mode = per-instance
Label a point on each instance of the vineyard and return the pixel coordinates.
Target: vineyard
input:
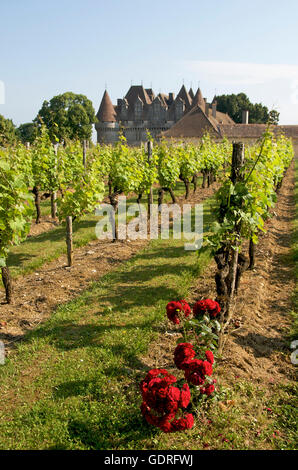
(137, 343)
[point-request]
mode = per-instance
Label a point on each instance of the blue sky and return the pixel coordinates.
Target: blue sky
(225, 46)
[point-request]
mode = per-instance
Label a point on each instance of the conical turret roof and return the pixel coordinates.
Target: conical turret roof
(198, 99)
(106, 112)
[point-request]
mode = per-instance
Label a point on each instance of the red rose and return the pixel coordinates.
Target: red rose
(166, 426)
(184, 396)
(174, 308)
(183, 423)
(206, 306)
(183, 354)
(199, 308)
(186, 308)
(194, 373)
(207, 368)
(208, 390)
(209, 356)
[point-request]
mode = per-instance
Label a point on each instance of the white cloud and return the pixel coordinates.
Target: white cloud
(241, 73)
(274, 85)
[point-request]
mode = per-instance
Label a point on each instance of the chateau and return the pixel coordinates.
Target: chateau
(141, 111)
(186, 116)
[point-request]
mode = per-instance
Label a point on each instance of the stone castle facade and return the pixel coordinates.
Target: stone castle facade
(141, 111)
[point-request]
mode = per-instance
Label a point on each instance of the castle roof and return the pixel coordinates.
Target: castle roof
(134, 92)
(106, 112)
(150, 93)
(198, 99)
(221, 118)
(255, 131)
(163, 98)
(183, 94)
(193, 124)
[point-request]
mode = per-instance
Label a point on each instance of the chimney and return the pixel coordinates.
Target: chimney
(245, 116)
(214, 109)
(171, 98)
(206, 107)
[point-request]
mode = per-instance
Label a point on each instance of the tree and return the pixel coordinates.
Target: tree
(235, 104)
(274, 116)
(68, 117)
(7, 132)
(27, 132)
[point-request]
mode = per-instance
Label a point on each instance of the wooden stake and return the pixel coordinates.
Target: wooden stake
(150, 195)
(36, 193)
(53, 204)
(69, 241)
(84, 153)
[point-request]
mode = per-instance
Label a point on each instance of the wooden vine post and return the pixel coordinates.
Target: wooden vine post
(150, 194)
(54, 194)
(229, 263)
(84, 152)
(36, 192)
(69, 241)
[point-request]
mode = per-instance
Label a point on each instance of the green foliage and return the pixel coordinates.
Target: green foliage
(235, 104)
(27, 132)
(86, 189)
(8, 135)
(168, 165)
(68, 117)
(246, 204)
(44, 162)
(15, 206)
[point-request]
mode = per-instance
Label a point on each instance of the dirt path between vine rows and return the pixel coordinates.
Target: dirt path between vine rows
(256, 347)
(36, 295)
(259, 349)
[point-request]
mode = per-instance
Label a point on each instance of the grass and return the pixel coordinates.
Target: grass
(73, 383)
(30, 255)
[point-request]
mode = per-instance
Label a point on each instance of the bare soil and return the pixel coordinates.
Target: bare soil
(46, 224)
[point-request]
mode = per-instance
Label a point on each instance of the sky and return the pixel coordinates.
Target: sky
(84, 46)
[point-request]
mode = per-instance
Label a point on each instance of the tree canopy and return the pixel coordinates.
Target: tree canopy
(27, 132)
(7, 132)
(67, 116)
(235, 104)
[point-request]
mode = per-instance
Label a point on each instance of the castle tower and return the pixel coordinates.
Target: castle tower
(107, 126)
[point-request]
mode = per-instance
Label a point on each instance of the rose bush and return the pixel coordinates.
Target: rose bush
(162, 401)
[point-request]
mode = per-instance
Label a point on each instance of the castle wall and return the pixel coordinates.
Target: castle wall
(107, 132)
